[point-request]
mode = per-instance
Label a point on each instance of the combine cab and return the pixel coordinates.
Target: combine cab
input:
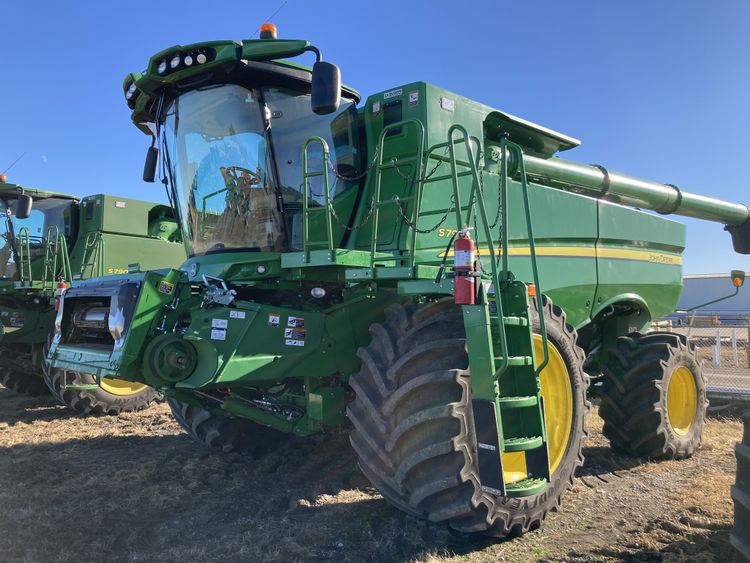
(51, 241)
(419, 266)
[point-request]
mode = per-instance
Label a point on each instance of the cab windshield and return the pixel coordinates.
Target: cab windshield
(50, 218)
(234, 156)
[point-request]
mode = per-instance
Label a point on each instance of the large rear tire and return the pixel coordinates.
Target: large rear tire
(413, 424)
(654, 396)
(112, 397)
(223, 433)
(740, 536)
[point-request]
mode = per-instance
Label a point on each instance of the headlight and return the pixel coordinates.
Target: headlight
(201, 58)
(175, 62)
(162, 68)
(188, 60)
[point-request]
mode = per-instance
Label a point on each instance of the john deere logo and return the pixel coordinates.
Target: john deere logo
(166, 287)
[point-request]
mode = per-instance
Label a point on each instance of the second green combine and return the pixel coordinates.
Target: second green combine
(421, 267)
(49, 241)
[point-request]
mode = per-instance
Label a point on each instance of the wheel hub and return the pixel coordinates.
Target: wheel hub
(682, 400)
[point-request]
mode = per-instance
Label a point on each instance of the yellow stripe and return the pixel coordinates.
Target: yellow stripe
(591, 252)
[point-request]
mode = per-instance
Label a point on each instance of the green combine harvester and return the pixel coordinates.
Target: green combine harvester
(421, 267)
(49, 241)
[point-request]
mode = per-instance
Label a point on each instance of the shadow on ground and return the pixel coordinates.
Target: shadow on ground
(15, 408)
(166, 497)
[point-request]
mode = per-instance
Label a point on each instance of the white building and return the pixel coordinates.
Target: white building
(701, 288)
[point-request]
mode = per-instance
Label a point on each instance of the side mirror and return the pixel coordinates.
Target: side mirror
(24, 203)
(149, 167)
(326, 88)
(740, 237)
(738, 278)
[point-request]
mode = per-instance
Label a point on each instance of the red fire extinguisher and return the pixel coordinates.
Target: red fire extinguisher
(61, 287)
(463, 269)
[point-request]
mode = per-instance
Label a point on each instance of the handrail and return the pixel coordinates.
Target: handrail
(506, 147)
(55, 257)
(67, 271)
(306, 175)
(93, 255)
(475, 186)
(50, 246)
(24, 254)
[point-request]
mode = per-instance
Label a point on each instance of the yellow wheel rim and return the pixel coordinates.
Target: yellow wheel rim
(120, 387)
(682, 400)
(558, 407)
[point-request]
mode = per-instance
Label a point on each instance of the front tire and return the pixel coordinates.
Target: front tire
(413, 423)
(23, 383)
(112, 397)
(222, 433)
(654, 396)
(17, 373)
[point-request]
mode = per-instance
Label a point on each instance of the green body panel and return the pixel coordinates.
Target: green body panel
(227, 325)
(130, 232)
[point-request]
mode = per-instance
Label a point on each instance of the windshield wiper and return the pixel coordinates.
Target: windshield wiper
(272, 156)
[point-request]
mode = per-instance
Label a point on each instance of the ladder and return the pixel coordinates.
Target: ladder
(56, 260)
(307, 210)
(93, 256)
(506, 400)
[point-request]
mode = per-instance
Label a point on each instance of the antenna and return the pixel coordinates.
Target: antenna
(12, 164)
(257, 28)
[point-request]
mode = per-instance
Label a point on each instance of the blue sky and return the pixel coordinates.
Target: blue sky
(657, 90)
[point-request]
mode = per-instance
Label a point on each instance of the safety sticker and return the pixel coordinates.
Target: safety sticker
(274, 319)
(414, 98)
(296, 333)
(236, 314)
(295, 321)
(166, 287)
(290, 342)
(376, 106)
(463, 258)
(393, 93)
(219, 323)
(447, 104)
(218, 334)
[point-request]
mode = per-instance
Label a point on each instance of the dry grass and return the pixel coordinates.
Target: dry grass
(137, 489)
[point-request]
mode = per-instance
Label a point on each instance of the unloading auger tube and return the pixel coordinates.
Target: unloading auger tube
(596, 181)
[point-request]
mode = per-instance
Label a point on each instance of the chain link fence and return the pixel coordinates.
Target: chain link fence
(722, 344)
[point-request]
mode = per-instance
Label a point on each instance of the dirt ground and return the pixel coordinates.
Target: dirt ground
(136, 488)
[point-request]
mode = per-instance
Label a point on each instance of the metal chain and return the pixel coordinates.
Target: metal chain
(359, 225)
(357, 177)
(394, 163)
(412, 225)
(336, 218)
(496, 220)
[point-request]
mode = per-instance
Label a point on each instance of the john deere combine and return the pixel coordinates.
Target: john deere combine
(422, 267)
(48, 241)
